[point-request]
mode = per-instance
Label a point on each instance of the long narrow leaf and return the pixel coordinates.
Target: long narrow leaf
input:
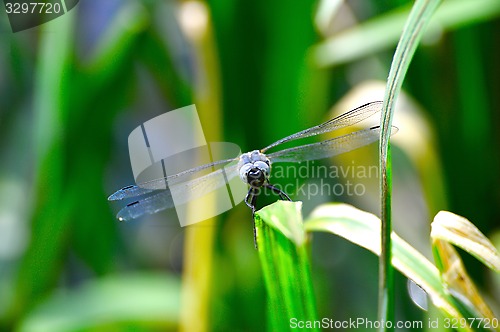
(286, 266)
(383, 31)
(363, 229)
(448, 229)
(462, 233)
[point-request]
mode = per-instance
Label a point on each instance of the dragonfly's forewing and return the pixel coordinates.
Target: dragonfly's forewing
(329, 148)
(183, 192)
(163, 183)
(347, 119)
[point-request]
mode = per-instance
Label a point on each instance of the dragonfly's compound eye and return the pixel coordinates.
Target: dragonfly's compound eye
(255, 155)
(264, 167)
(244, 172)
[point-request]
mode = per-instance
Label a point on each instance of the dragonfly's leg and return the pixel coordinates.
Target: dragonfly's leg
(284, 196)
(250, 200)
(248, 197)
(254, 199)
(280, 192)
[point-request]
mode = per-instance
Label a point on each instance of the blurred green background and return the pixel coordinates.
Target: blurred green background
(73, 89)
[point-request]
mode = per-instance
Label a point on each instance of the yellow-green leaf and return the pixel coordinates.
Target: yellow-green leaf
(462, 233)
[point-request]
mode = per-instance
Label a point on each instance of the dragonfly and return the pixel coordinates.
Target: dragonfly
(253, 168)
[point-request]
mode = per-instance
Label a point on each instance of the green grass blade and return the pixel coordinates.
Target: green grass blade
(363, 229)
(382, 32)
(40, 261)
(287, 218)
(285, 265)
(386, 270)
(141, 300)
(119, 37)
(412, 33)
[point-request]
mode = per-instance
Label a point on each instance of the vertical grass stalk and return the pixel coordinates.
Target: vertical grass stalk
(412, 32)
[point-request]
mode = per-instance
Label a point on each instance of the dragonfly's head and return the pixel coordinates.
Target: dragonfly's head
(255, 168)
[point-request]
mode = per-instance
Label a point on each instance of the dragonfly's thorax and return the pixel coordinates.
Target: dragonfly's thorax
(254, 168)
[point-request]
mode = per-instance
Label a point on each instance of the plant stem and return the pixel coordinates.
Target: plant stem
(412, 32)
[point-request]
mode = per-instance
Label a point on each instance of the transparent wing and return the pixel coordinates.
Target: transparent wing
(329, 148)
(162, 183)
(347, 119)
(183, 193)
(153, 204)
